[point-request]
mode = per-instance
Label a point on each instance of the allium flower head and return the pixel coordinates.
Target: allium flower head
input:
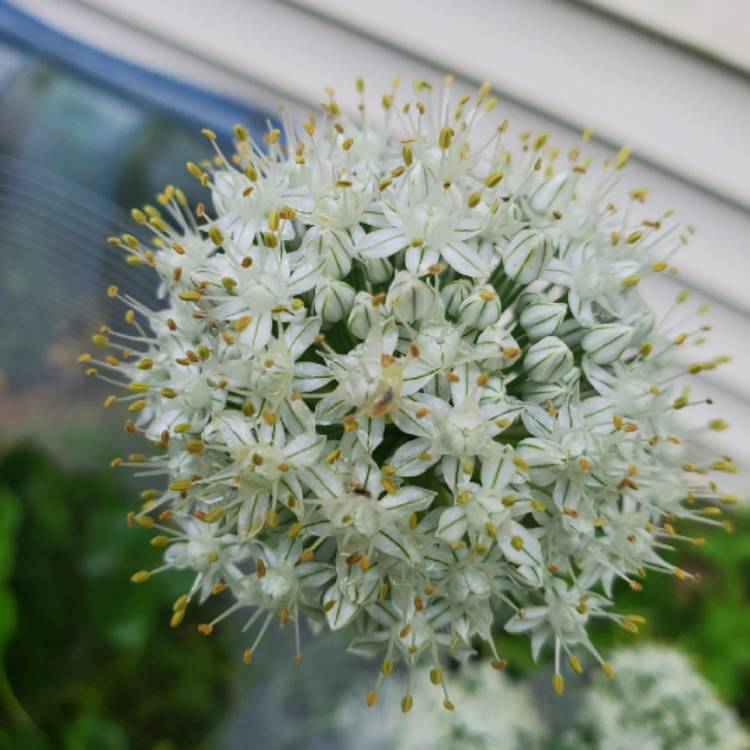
(657, 701)
(405, 380)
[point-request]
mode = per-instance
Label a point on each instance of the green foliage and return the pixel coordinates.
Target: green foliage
(90, 660)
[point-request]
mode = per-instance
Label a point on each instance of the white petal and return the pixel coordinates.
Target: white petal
(406, 459)
(304, 449)
(408, 500)
(465, 259)
(382, 243)
(300, 336)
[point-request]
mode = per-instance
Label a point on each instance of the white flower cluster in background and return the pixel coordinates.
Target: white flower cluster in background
(404, 380)
(657, 701)
(492, 712)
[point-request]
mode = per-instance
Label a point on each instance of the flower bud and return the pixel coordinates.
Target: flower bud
(542, 318)
(409, 298)
(527, 255)
(541, 393)
(497, 348)
(548, 360)
(571, 332)
(454, 294)
(378, 270)
(364, 315)
(333, 300)
(480, 309)
(333, 247)
(606, 343)
(642, 325)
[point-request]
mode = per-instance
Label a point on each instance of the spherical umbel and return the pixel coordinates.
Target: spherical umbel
(405, 380)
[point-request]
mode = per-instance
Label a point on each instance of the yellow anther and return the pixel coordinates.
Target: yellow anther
(622, 158)
(137, 405)
(493, 178)
(445, 137)
(144, 521)
(575, 663)
(269, 417)
(248, 409)
(180, 485)
(558, 683)
(140, 577)
(484, 89)
(189, 296)
(474, 199)
(177, 618)
(389, 486)
(540, 141)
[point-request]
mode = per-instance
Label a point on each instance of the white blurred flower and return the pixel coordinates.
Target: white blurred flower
(656, 700)
(490, 712)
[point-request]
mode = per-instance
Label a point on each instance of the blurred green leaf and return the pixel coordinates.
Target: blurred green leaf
(10, 514)
(90, 732)
(9, 519)
(92, 660)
